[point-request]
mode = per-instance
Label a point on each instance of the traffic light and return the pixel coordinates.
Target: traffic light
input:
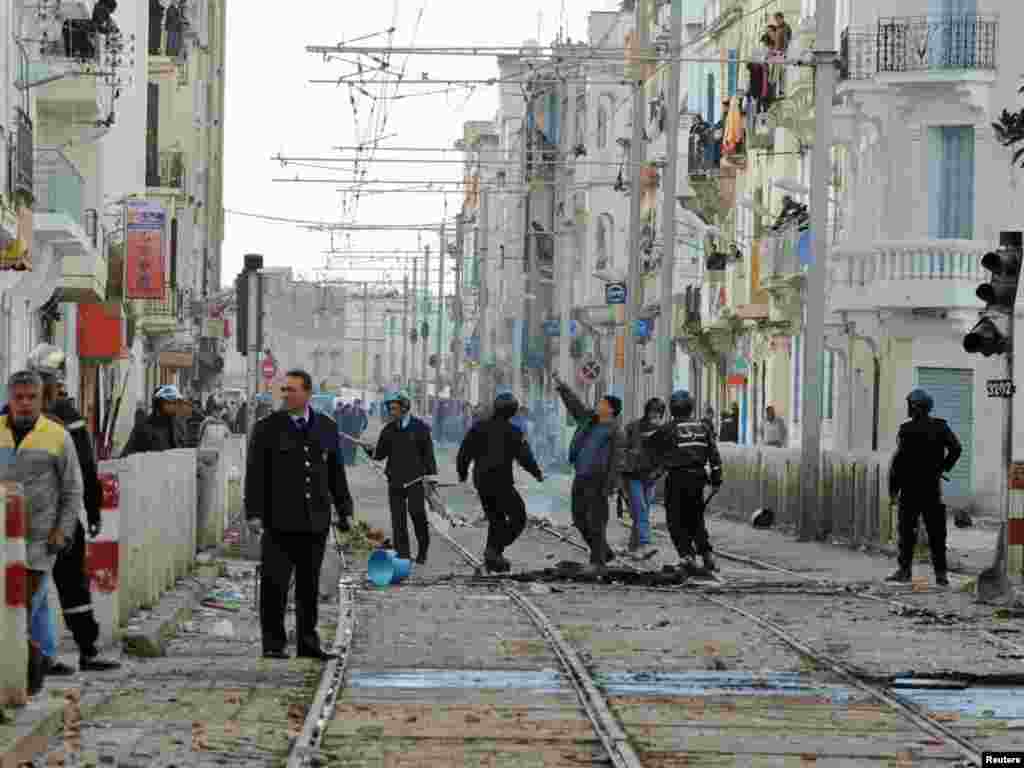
(999, 294)
(242, 314)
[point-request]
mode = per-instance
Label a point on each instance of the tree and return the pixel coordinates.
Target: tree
(1010, 131)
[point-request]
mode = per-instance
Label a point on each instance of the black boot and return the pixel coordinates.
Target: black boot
(941, 579)
(56, 668)
(91, 661)
(900, 575)
(36, 669)
(493, 561)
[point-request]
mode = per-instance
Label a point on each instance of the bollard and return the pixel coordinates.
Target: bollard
(103, 556)
(14, 659)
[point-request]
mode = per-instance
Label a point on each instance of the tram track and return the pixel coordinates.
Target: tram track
(915, 714)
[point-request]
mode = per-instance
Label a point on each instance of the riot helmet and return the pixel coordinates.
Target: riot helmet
(399, 397)
(47, 360)
(506, 405)
(919, 402)
(681, 404)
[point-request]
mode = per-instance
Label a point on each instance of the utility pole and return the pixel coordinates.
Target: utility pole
(665, 329)
(366, 342)
(484, 393)
(523, 338)
(443, 248)
(456, 368)
(565, 234)
(634, 283)
(254, 330)
(415, 326)
(423, 337)
(814, 324)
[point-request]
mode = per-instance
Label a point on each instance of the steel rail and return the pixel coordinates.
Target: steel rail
(307, 745)
(611, 734)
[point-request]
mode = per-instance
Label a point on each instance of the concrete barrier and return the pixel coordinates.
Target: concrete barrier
(853, 491)
(221, 461)
(103, 560)
(14, 632)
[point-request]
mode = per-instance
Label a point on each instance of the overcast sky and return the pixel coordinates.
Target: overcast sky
(272, 108)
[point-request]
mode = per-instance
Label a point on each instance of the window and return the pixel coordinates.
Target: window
(602, 236)
(828, 385)
(951, 182)
(712, 99)
(602, 127)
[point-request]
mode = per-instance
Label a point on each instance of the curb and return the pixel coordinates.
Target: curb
(149, 639)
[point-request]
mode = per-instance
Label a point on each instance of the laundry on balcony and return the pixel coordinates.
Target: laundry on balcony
(734, 131)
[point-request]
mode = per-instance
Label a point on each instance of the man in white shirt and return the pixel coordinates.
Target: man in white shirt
(775, 433)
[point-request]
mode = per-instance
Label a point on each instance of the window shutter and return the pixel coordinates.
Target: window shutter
(733, 71)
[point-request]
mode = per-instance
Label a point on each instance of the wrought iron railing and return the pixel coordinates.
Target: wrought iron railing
(705, 156)
(172, 169)
(953, 41)
(23, 161)
(858, 50)
(92, 226)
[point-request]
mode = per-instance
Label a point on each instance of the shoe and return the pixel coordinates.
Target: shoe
(277, 655)
(56, 668)
(96, 663)
(686, 564)
(421, 558)
(317, 653)
(709, 563)
(901, 576)
(941, 579)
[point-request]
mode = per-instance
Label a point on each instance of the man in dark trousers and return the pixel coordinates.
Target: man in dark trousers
(686, 448)
(293, 475)
(730, 425)
(406, 444)
(491, 446)
(926, 449)
(69, 572)
(597, 453)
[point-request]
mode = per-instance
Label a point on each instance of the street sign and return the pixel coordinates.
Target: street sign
(615, 293)
(642, 329)
(590, 370)
(1000, 388)
(269, 368)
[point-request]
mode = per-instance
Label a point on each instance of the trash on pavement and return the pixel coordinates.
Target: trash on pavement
(224, 600)
(223, 628)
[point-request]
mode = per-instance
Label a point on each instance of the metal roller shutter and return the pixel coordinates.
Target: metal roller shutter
(953, 392)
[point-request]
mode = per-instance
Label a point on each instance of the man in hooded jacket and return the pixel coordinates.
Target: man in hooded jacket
(159, 432)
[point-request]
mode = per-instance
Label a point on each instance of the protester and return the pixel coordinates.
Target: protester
(406, 444)
(492, 446)
(731, 425)
(40, 455)
(597, 453)
(159, 432)
(293, 475)
(639, 475)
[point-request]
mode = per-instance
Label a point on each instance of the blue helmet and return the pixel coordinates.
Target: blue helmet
(400, 397)
(681, 403)
(506, 405)
(921, 400)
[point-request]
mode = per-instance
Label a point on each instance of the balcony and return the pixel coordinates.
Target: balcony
(170, 176)
(912, 48)
(907, 274)
(68, 72)
(157, 317)
(61, 222)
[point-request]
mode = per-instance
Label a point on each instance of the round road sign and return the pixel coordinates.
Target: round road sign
(269, 368)
(590, 370)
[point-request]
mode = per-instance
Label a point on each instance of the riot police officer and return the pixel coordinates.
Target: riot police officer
(686, 448)
(926, 450)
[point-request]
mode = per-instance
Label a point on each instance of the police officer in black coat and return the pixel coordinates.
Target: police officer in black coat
(293, 476)
(926, 450)
(491, 446)
(686, 448)
(407, 446)
(69, 574)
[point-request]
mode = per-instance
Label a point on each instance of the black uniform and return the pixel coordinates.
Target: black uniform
(409, 451)
(686, 447)
(293, 475)
(926, 449)
(491, 446)
(156, 433)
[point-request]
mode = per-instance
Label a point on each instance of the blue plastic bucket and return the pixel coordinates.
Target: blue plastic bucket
(381, 568)
(386, 567)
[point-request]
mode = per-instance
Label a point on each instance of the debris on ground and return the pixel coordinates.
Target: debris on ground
(223, 628)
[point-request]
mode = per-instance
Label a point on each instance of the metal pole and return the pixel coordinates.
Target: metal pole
(423, 339)
(1005, 498)
(415, 325)
(484, 394)
(443, 248)
(255, 338)
(366, 344)
(565, 240)
(814, 326)
(456, 367)
(405, 325)
(517, 361)
(634, 284)
(665, 329)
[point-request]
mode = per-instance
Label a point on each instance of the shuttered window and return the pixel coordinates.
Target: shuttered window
(951, 182)
(952, 389)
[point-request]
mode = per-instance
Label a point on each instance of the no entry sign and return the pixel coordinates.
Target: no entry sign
(590, 370)
(269, 368)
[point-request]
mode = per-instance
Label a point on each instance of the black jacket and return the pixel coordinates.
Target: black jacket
(409, 452)
(156, 433)
(586, 419)
(491, 446)
(688, 446)
(926, 448)
(293, 476)
(639, 461)
(730, 429)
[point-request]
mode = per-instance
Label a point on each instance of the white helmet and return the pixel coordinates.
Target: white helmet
(47, 360)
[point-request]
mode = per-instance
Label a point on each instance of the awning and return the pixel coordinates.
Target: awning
(175, 360)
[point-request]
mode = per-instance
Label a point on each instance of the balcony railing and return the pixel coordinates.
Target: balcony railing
(920, 43)
(22, 157)
(912, 260)
(58, 185)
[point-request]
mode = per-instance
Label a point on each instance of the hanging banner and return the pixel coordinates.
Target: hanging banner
(144, 268)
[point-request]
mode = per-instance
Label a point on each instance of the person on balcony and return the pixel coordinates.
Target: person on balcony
(926, 449)
(775, 433)
(597, 453)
